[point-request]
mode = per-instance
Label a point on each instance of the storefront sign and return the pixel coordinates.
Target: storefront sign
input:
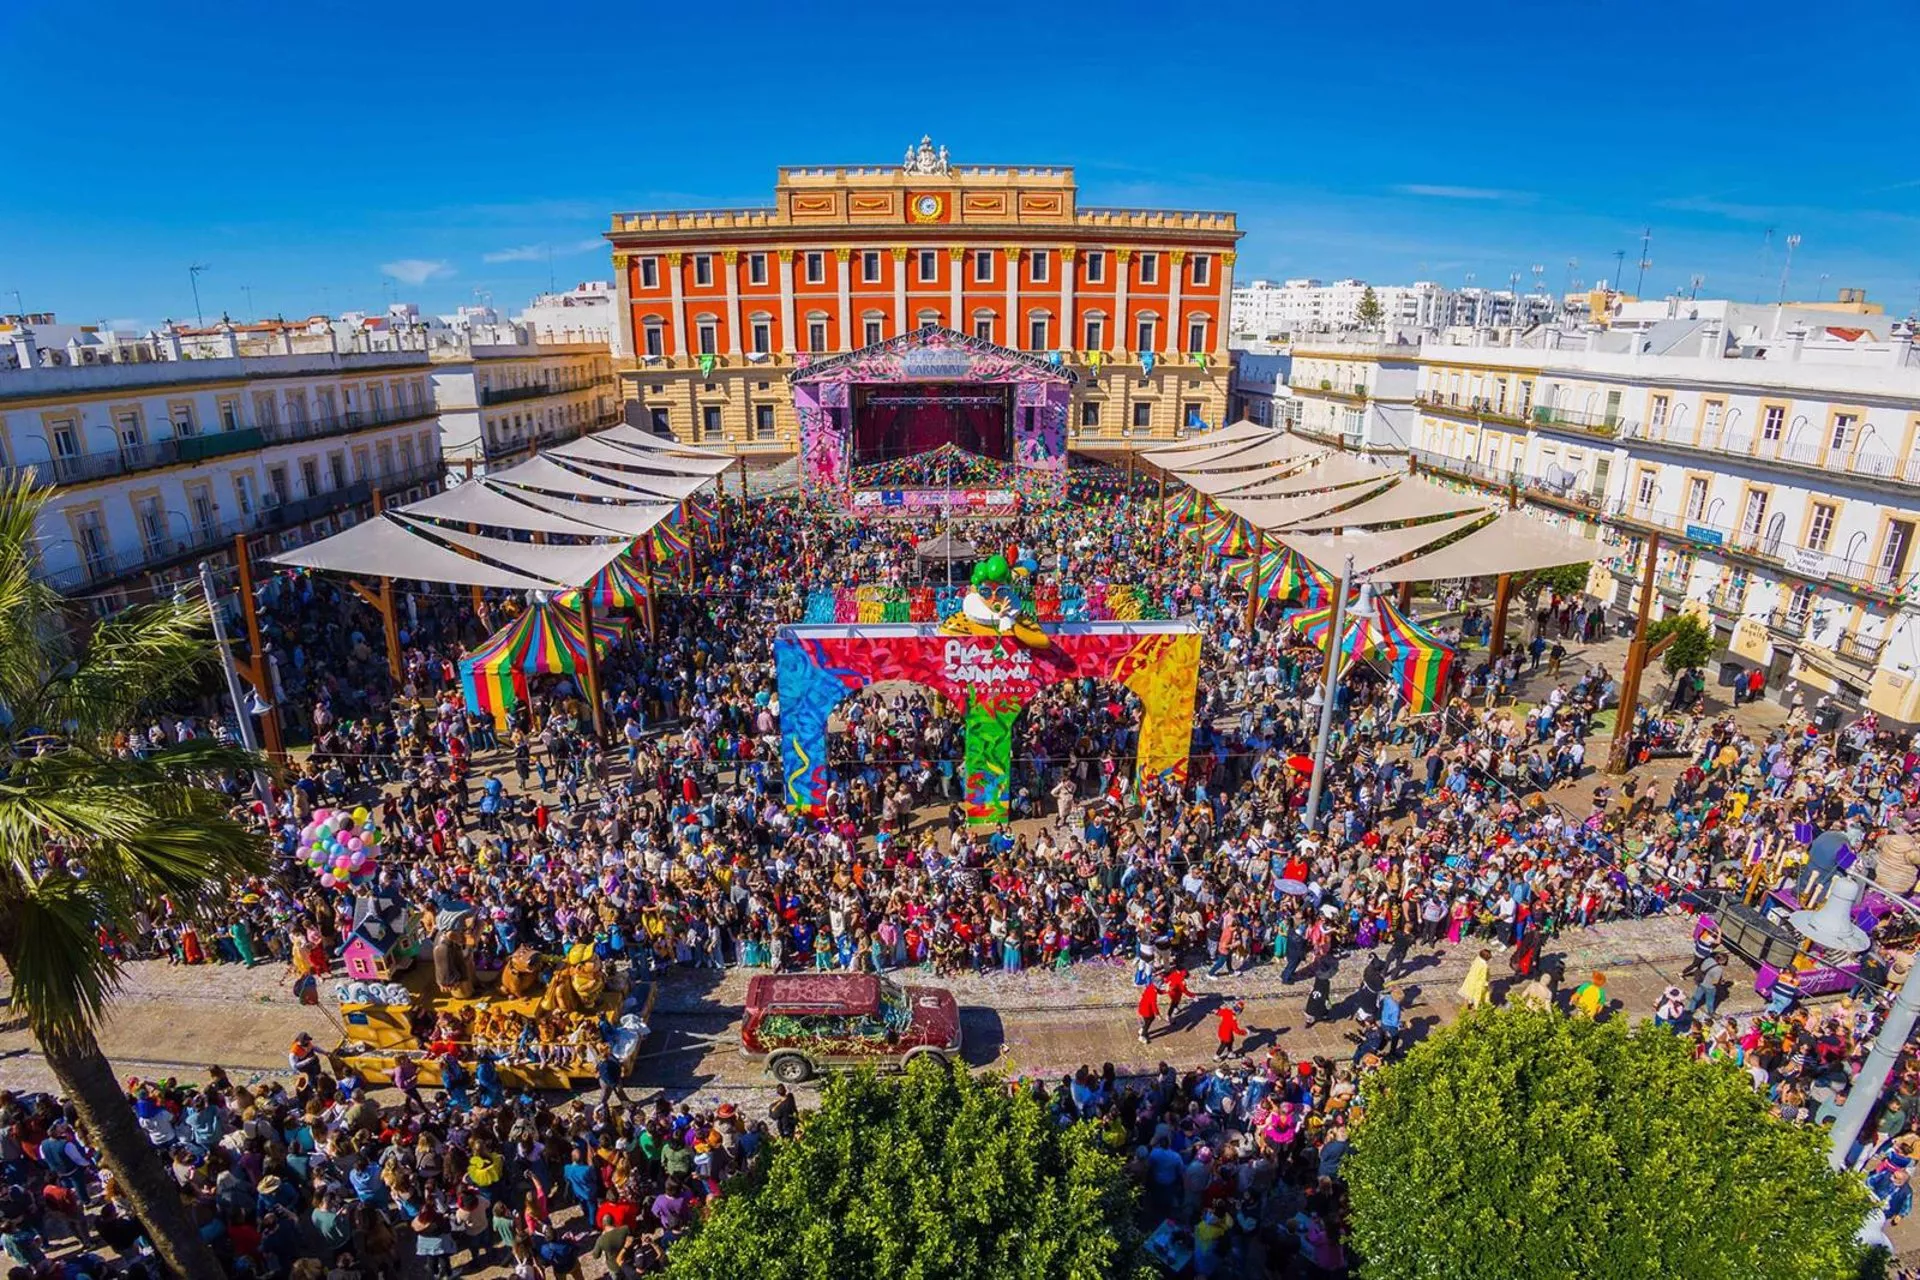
(1700, 533)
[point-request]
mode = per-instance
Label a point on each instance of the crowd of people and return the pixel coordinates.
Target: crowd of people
(663, 843)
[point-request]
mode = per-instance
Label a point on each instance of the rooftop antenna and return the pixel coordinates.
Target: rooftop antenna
(1793, 242)
(248, 290)
(550, 288)
(21, 307)
(1693, 285)
(193, 277)
(1619, 258)
(1640, 282)
(1766, 261)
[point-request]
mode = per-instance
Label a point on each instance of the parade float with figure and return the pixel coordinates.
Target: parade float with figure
(990, 607)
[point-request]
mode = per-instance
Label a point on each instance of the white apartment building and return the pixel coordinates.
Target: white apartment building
(583, 313)
(1258, 389)
(1266, 311)
(1355, 392)
(164, 449)
(1778, 460)
(502, 393)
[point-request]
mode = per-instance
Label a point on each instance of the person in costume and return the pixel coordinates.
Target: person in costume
(990, 609)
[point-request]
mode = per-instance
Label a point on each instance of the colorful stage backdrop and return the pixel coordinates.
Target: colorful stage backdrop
(1038, 392)
(821, 666)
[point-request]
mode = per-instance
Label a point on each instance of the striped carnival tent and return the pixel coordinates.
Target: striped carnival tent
(1186, 510)
(545, 640)
(669, 539)
(1415, 659)
(1285, 574)
(1224, 534)
(621, 585)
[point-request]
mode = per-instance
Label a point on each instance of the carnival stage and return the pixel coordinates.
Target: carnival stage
(874, 422)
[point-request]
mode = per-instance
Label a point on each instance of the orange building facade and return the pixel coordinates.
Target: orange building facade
(718, 308)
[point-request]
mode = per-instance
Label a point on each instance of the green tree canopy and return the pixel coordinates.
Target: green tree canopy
(1367, 311)
(1692, 644)
(935, 1175)
(1562, 579)
(89, 839)
(1526, 1144)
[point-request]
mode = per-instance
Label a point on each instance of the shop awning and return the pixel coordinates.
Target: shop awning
(1513, 543)
(1370, 550)
(637, 483)
(387, 547)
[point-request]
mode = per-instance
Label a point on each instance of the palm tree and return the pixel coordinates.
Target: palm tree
(88, 838)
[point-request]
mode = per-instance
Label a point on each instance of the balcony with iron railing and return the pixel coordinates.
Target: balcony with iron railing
(130, 459)
(1862, 650)
(1791, 623)
(535, 390)
(1860, 458)
(560, 434)
(158, 550)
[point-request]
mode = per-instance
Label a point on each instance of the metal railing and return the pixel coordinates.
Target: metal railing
(1608, 426)
(1794, 623)
(534, 390)
(1811, 454)
(159, 551)
(558, 435)
(130, 459)
(1864, 650)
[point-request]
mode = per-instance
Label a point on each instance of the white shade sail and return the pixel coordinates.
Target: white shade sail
(1373, 549)
(574, 566)
(1513, 543)
(603, 454)
(1280, 455)
(478, 503)
(385, 547)
(542, 473)
(644, 483)
(1279, 513)
(1329, 472)
(632, 437)
(1408, 498)
(629, 519)
(1240, 431)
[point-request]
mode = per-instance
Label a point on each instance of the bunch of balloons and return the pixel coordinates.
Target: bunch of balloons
(338, 845)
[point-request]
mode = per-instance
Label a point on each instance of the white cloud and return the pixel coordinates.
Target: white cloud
(1458, 193)
(539, 252)
(416, 270)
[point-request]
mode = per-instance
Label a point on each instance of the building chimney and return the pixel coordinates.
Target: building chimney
(1900, 343)
(1796, 341)
(25, 350)
(225, 342)
(169, 347)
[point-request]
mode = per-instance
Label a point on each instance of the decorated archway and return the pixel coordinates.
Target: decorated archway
(820, 666)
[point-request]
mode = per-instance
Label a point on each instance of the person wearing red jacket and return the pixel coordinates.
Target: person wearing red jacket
(1149, 1007)
(1176, 991)
(1230, 1026)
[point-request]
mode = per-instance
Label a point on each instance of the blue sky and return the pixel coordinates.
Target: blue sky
(321, 156)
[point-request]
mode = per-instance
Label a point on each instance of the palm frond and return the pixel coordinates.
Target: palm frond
(142, 653)
(62, 979)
